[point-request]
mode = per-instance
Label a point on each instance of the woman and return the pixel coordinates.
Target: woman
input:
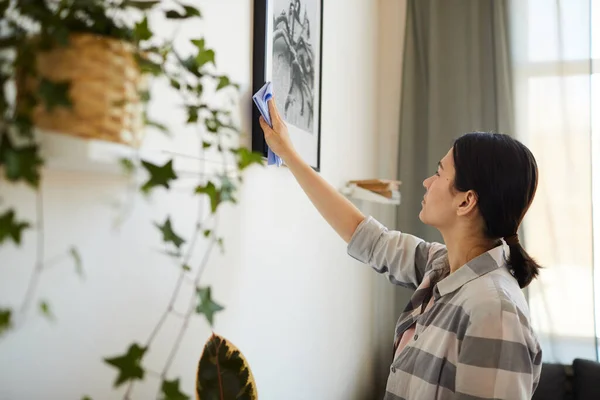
(465, 333)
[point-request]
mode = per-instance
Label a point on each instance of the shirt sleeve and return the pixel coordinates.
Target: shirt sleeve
(498, 357)
(403, 258)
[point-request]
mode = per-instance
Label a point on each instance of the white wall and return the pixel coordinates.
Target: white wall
(298, 307)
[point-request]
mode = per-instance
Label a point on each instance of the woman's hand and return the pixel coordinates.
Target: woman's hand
(277, 137)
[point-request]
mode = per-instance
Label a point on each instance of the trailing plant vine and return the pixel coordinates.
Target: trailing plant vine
(30, 27)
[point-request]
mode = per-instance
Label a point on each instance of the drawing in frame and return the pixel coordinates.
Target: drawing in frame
(288, 52)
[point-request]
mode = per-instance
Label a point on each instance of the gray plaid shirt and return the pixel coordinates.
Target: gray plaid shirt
(475, 342)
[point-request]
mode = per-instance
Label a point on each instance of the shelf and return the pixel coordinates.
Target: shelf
(353, 191)
(65, 152)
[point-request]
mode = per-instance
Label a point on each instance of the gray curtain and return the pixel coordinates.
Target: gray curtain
(456, 79)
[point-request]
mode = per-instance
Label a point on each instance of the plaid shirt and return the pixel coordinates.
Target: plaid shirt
(474, 342)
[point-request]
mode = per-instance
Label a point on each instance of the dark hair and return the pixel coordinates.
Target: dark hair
(503, 173)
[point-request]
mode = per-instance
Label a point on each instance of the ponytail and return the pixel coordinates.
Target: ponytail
(522, 266)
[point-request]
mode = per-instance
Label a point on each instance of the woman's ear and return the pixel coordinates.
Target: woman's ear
(468, 203)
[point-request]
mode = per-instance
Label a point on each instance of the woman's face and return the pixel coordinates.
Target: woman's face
(439, 208)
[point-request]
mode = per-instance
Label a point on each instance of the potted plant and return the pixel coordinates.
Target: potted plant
(83, 68)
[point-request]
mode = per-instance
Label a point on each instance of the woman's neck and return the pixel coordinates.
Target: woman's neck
(463, 248)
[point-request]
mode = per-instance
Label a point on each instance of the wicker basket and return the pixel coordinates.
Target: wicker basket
(105, 84)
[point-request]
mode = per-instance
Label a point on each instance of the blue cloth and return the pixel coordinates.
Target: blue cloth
(261, 99)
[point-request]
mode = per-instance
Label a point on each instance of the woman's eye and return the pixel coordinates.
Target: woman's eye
(437, 173)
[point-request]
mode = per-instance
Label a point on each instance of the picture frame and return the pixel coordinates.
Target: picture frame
(287, 51)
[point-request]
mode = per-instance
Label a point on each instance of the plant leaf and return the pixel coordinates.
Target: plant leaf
(45, 310)
(191, 65)
(228, 190)
(168, 235)
(77, 259)
(192, 11)
(140, 4)
(141, 31)
(204, 55)
(223, 372)
(147, 66)
(173, 14)
(175, 84)
(211, 191)
(170, 391)
(20, 162)
(206, 305)
(246, 157)
(54, 94)
(5, 320)
(207, 232)
(128, 364)
(10, 228)
(159, 175)
(186, 268)
(224, 82)
(86, 398)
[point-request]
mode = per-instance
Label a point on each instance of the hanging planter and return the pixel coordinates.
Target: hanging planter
(104, 86)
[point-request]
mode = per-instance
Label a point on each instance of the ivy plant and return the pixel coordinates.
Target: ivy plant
(52, 23)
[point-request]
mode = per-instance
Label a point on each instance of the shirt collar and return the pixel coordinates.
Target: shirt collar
(479, 266)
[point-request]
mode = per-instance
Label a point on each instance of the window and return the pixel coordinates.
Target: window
(556, 51)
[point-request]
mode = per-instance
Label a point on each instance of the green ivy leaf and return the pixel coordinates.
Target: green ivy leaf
(228, 189)
(192, 11)
(141, 31)
(129, 364)
(212, 124)
(168, 234)
(186, 268)
(191, 65)
(204, 55)
(206, 145)
(20, 162)
(5, 320)
(11, 228)
(45, 310)
(74, 253)
(206, 305)
(173, 14)
(148, 67)
(86, 398)
(175, 84)
(246, 157)
(192, 115)
(140, 4)
(211, 191)
(54, 94)
(224, 82)
(159, 175)
(170, 390)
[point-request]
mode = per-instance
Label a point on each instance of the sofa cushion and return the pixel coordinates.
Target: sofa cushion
(586, 382)
(553, 383)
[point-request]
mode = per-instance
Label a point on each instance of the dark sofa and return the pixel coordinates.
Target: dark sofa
(579, 381)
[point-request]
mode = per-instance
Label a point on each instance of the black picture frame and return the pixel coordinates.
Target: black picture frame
(269, 15)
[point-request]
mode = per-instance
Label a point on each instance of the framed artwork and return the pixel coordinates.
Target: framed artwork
(288, 52)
